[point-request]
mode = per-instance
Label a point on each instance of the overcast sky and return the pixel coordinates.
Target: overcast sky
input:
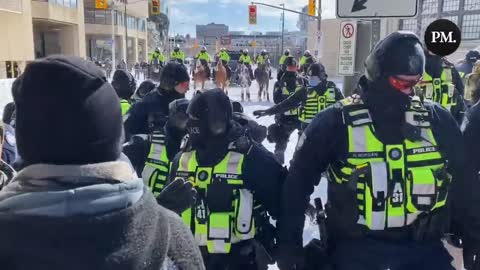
(185, 14)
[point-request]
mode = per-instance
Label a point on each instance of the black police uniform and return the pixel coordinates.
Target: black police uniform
(279, 133)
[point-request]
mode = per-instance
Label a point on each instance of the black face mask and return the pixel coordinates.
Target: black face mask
(385, 102)
(197, 132)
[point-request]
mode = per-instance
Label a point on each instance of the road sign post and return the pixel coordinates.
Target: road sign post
(348, 42)
(376, 8)
(252, 14)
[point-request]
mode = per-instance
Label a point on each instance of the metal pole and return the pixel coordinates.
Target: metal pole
(284, 9)
(283, 24)
(114, 65)
(126, 37)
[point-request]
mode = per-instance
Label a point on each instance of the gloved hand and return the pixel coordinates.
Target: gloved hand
(471, 255)
(177, 196)
(290, 258)
(260, 113)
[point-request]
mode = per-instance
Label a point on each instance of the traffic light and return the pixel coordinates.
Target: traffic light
(101, 4)
(155, 7)
(252, 14)
(312, 7)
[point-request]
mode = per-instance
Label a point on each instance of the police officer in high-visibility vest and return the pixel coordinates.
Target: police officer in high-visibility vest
(225, 58)
(205, 59)
(305, 61)
(441, 83)
(311, 99)
(247, 61)
(177, 55)
(287, 122)
(125, 85)
(157, 57)
(263, 59)
(237, 182)
(281, 63)
(396, 173)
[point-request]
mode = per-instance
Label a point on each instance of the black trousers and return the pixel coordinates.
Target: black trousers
(368, 254)
(285, 128)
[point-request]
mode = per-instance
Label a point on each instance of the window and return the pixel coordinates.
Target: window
(472, 4)
(426, 21)
(73, 3)
(471, 26)
(59, 2)
(454, 19)
(89, 16)
(100, 17)
(409, 25)
(430, 6)
(451, 5)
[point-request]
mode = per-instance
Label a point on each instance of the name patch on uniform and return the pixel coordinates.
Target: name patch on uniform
(366, 155)
(423, 150)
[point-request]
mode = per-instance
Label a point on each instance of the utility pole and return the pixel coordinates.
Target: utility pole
(114, 65)
(283, 24)
(126, 37)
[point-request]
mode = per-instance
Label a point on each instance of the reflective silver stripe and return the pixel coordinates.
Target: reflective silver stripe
(426, 138)
(424, 200)
(232, 166)
(361, 220)
(378, 220)
(411, 217)
(309, 120)
(201, 239)
(147, 174)
(379, 178)
(359, 143)
(157, 151)
(429, 90)
(448, 75)
(409, 118)
(423, 189)
(245, 215)
(219, 233)
(218, 246)
(361, 121)
(357, 112)
(396, 221)
(184, 159)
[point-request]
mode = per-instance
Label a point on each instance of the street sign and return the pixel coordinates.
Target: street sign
(376, 8)
(252, 14)
(312, 7)
(348, 42)
(101, 4)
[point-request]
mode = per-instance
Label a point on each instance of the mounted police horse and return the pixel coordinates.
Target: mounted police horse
(154, 70)
(200, 74)
(263, 79)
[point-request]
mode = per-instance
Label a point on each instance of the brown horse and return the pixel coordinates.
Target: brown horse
(221, 77)
(200, 75)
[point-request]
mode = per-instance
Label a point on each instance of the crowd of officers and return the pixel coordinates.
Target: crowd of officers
(402, 175)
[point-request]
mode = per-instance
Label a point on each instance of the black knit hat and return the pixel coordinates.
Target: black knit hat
(67, 113)
(124, 83)
(172, 74)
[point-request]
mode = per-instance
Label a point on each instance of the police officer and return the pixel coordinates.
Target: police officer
(205, 59)
(395, 168)
(124, 84)
(305, 61)
(177, 55)
(152, 111)
(311, 99)
(281, 63)
(225, 58)
(158, 57)
(286, 122)
(441, 83)
(247, 61)
(237, 183)
(466, 67)
(251, 128)
(263, 59)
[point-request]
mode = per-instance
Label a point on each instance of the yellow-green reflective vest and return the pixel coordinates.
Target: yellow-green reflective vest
(157, 167)
(393, 183)
(203, 56)
(245, 59)
(125, 106)
(224, 56)
(282, 59)
(177, 55)
(315, 104)
(287, 93)
(303, 60)
(218, 230)
(440, 90)
(261, 59)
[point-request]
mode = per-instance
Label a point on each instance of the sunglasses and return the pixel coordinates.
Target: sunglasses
(404, 83)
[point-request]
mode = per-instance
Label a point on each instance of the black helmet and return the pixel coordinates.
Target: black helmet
(177, 114)
(245, 51)
(290, 61)
(400, 53)
(172, 74)
(287, 52)
(472, 56)
(318, 70)
(210, 114)
(124, 83)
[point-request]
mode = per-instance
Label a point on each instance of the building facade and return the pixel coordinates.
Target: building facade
(210, 36)
(99, 28)
(464, 13)
(32, 29)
